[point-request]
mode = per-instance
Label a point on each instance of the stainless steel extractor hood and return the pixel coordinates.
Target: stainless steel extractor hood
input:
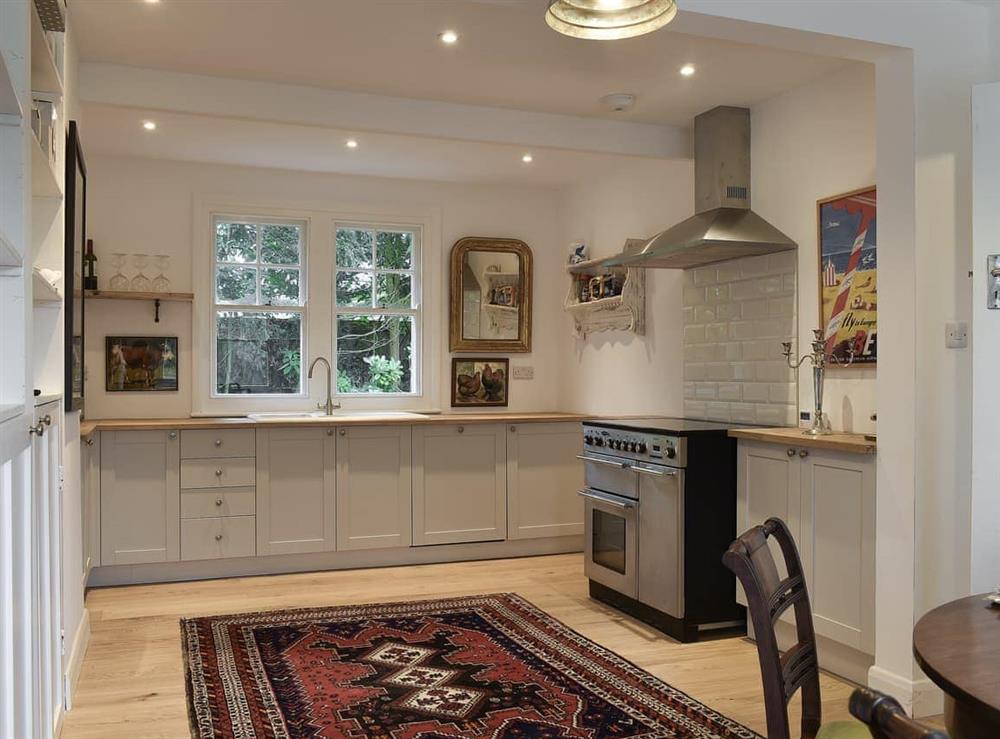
(723, 226)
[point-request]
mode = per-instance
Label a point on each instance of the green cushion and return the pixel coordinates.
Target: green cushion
(844, 730)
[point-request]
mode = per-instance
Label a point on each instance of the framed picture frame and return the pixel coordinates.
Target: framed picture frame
(479, 382)
(848, 276)
(140, 364)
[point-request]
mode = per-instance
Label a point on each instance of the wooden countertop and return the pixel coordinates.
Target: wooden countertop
(89, 426)
(853, 443)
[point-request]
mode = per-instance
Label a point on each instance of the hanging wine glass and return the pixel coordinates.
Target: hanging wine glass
(160, 283)
(140, 283)
(118, 280)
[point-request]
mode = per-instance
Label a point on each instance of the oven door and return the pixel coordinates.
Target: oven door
(610, 541)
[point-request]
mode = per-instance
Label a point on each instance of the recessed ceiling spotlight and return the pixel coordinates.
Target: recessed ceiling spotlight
(351, 143)
(527, 158)
(149, 125)
(687, 70)
(448, 37)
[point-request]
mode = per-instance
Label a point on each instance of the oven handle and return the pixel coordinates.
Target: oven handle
(608, 463)
(656, 473)
(608, 499)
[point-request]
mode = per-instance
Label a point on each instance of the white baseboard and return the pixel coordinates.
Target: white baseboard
(81, 640)
(919, 697)
(277, 564)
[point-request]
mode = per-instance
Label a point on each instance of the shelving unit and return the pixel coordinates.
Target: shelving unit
(44, 292)
(45, 76)
(44, 182)
(623, 312)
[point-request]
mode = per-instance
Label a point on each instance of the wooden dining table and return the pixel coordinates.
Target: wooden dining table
(957, 645)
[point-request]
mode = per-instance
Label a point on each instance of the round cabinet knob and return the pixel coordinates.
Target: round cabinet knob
(343, 432)
(791, 452)
(218, 442)
(218, 501)
(218, 537)
(461, 429)
(47, 420)
(513, 429)
(90, 442)
(218, 472)
(803, 453)
(172, 435)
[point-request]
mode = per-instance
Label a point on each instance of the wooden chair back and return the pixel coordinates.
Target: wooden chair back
(768, 597)
(886, 719)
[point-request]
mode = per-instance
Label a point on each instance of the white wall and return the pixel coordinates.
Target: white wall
(619, 372)
(146, 205)
(813, 142)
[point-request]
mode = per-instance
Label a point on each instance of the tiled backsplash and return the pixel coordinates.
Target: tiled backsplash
(736, 314)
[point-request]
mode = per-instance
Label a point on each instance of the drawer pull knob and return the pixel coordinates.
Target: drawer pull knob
(791, 452)
(803, 453)
(461, 429)
(218, 442)
(218, 472)
(172, 435)
(218, 501)
(218, 537)
(343, 432)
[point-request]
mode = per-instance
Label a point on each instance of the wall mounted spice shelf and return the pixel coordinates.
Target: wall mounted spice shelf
(157, 298)
(623, 312)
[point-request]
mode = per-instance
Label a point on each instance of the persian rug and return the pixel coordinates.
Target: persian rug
(482, 666)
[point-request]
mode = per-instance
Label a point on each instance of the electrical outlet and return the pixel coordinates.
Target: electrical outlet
(805, 416)
(523, 372)
(956, 335)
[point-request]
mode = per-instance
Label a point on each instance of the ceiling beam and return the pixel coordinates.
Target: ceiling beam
(118, 85)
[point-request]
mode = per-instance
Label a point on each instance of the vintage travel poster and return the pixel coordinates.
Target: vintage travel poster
(848, 276)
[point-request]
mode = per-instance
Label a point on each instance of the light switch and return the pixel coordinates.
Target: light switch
(956, 335)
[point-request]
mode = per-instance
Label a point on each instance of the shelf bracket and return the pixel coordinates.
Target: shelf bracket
(156, 306)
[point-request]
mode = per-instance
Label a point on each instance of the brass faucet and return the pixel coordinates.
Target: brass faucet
(329, 406)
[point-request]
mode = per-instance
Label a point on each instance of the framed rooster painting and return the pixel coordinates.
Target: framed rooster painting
(477, 383)
(848, 279)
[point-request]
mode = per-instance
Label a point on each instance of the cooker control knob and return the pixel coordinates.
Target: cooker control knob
(632, 446)
(619, 444)
(671, 452)
(599, 441)
(642, 447)
(588, 439)
(615, 444)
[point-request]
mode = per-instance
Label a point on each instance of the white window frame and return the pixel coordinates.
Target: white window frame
(257, 307)
(415, 311)
(320, 216)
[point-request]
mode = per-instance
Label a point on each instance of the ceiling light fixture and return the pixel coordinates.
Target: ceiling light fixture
(609, 19)
(448, 37)
(527, 159)
(687, 70)
(149, 125)
(351, 143)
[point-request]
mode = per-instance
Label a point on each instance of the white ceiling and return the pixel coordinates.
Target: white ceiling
(506, 55)
(115, 130)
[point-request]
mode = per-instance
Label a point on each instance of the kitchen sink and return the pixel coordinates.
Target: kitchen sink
(307, 415)
(285, 415)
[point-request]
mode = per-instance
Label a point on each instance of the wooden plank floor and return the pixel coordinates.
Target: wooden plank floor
(132, 682)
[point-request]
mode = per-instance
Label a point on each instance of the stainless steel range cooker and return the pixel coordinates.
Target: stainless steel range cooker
(660, 511)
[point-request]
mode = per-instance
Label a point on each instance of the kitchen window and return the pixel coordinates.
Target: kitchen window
(258, 306)
(377, 309)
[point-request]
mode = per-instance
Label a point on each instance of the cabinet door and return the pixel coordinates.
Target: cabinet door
(767, 480)
(140, 497)
(544, 478)
(459, 483)
(837, 545)
(374, 493)
(90, 480)
(296, 491)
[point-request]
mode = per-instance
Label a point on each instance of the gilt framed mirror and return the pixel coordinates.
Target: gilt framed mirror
(490, 296)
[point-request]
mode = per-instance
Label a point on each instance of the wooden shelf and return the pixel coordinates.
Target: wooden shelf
(592, 305)
(129, 295)
(44, 183)
(592, 266)
(44, 292)
(623, 312)
(45, 76)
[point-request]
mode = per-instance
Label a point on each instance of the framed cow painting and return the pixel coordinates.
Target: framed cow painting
(140, 363)
(848, 279)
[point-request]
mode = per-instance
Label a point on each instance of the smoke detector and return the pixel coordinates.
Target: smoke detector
(618, 102)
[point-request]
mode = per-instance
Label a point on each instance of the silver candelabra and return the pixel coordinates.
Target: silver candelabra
(820, 422)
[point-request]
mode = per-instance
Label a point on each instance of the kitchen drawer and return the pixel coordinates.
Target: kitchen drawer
(211, 443)
(218, 472)
(217, 538)
(214, 503)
